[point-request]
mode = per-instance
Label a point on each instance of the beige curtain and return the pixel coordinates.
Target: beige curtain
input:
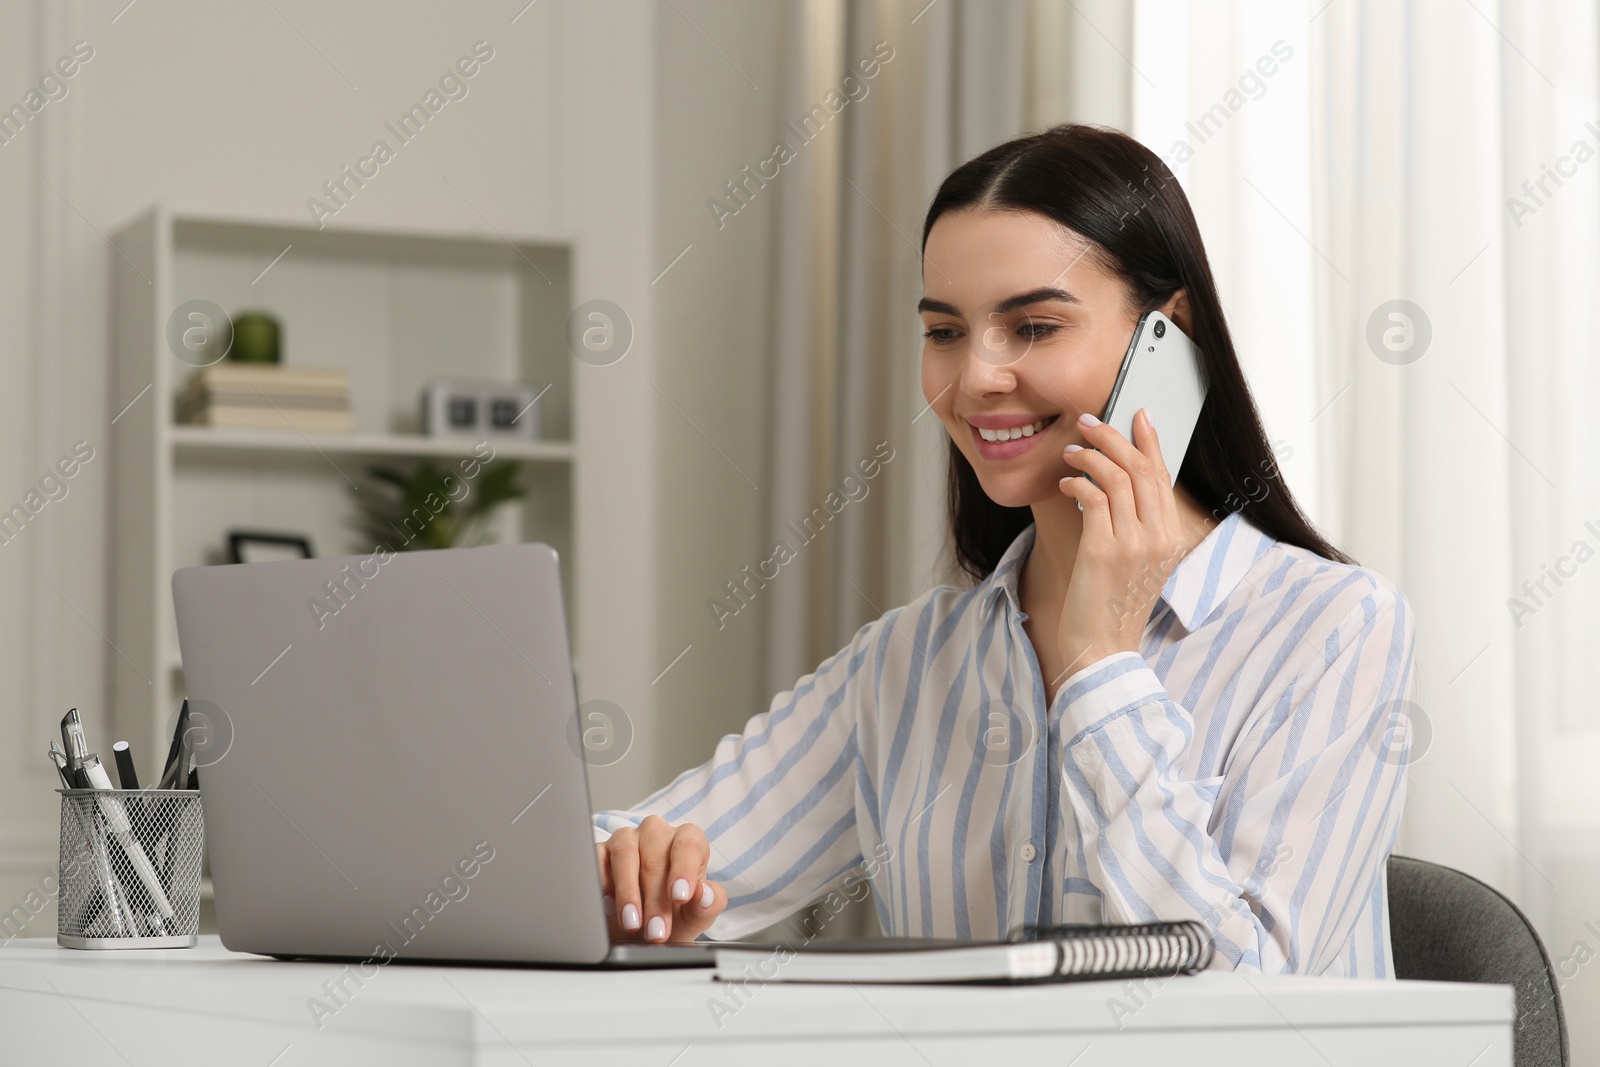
(954, 77)
(964, 76)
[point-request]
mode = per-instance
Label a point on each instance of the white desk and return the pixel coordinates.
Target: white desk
(243, 1010)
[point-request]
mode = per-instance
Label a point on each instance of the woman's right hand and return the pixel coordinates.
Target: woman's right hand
(654, 881)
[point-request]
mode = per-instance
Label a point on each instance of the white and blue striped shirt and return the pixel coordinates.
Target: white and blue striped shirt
(1239, 769)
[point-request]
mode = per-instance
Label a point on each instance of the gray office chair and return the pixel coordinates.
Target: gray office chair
(1446, 926)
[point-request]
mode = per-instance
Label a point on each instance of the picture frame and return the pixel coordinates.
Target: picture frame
(254, 546)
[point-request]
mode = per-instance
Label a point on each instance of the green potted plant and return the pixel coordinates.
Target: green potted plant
(430, 506)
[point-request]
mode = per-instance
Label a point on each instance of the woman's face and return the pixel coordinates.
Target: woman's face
(1023, 327)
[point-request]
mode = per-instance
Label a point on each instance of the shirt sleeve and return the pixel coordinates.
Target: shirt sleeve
(1277, 855)
(777, 802)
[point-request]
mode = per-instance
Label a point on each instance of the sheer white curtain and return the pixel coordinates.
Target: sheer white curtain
(1404, 223)
(1457, 150)
(1220, 93)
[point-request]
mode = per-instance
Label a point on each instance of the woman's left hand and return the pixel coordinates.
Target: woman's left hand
(1133, 536)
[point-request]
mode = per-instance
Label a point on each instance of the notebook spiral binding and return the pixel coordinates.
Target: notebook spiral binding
(1140, 950)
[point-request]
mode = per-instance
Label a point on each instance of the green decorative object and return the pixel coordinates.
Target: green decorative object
(435, 507)
(257, 338)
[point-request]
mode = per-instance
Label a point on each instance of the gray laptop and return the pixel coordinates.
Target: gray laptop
(389, 763)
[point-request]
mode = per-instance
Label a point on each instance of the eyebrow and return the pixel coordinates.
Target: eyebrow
(1033, 296)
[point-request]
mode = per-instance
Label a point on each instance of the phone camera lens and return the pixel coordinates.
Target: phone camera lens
(1161, 329)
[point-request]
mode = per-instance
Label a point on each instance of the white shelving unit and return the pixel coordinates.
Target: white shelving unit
(199, 439)
(392, 310)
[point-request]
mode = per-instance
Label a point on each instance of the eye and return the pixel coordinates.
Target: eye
(941, 335)
(1034, 331)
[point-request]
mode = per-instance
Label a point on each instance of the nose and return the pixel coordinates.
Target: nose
(988, 368)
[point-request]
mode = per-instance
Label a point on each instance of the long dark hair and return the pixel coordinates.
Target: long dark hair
(1112, 190)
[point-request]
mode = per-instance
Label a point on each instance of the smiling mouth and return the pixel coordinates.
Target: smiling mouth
(1016, 432)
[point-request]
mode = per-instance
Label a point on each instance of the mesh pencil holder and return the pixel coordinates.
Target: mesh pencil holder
(130, 868)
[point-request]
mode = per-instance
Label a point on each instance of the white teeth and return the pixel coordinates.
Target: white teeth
(1014, 433)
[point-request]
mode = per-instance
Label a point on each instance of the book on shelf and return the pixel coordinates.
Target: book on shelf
(273, 379)
(266, 397)
(231, 416)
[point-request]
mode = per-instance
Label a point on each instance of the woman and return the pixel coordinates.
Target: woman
(1158, 701)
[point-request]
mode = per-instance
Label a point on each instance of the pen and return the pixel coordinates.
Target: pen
(126, 774)
(116, 904)
(121, 828)
(169, 771)
(108, 815)
(109, 890)
(59, 759)
(129, 777)
(73, 738)
(187, 757)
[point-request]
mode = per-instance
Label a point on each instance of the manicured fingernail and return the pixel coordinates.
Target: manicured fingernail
(707, 897)
(1088, 419)
(609, 904)
(1149, 419)
(630, 917)
(658, 928)
(680, 889)
(1073, 448)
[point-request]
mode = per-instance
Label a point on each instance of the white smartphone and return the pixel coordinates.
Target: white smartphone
(1160, 371)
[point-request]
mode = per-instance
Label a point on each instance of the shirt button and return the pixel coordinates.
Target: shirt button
(1029, 853)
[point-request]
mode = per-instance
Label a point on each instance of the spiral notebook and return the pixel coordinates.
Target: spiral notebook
(1048, 954)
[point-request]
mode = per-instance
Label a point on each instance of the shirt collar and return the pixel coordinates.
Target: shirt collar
(1197, 586)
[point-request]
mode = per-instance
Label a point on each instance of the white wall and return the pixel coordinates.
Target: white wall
(246, 110)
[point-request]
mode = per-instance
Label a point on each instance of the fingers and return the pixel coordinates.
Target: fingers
(608, 893)
(1096, 506)
(1109, 440)
(686, 867)
(1144, 433)
(1119, 464)
(623, 849)
(1112, 483)
(697, 914)
(696, 902)
(655, 848)
(654, 882)
(1145, 437)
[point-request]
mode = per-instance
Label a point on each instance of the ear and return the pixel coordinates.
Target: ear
(1177, 309)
